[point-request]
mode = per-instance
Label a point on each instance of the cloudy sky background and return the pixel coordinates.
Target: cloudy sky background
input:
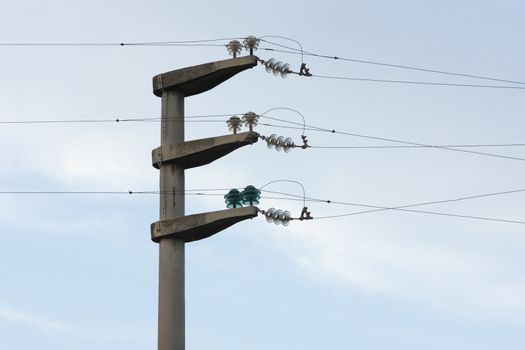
(79, 271)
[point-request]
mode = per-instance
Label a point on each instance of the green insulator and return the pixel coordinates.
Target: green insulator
(233, 199)
(250, 195)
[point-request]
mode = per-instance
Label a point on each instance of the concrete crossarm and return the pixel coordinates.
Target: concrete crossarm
(195, 153)
(197, 79)
(199, 226)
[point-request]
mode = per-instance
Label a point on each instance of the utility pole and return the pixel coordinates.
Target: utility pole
(172, 158)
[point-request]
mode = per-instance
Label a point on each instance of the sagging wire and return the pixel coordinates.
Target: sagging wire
(274, 66)
(279, 142)
(278, 216)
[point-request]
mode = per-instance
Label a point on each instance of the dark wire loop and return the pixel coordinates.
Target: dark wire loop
(305, 214)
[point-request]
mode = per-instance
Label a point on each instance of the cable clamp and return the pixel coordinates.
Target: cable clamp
(305, 214)
(305, 144)
(305, 71)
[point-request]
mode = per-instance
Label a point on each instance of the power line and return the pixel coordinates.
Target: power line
(404, 147)
(427, 146)
(377, 208)
(418, 82)
(424, 212)
(384, 64)
(128, 192)
(299, 51)
(75, 192)
(198, 190)
(492, 194)
(408, 144)
(121, 120)
(459, 199)
(291, 50)
(376, 138)
(167, 44)
(203, 42)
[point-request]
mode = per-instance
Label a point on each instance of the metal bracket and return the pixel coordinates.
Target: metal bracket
(305, 71)
(305, 214)
(305, 142)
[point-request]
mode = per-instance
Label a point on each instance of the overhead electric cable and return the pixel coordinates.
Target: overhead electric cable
(119, 120)
(409, 82)
(459, 199)
(333, 131)
(299, 51)
(75, 192)
(407, 146)
(128, 192)
(424, 212)
(377, 208)
(429, 146)
(427, 70)
(290, 50)
(204, 42)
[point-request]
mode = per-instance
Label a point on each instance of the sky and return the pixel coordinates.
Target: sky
(79, 271)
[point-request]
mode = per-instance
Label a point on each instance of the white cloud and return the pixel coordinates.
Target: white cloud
(42, 323)
(448, 277)
(100, 156)
(117, 331)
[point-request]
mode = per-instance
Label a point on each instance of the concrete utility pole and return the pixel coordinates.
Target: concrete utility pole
(175, 155)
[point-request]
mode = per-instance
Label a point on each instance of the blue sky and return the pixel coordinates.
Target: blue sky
(79, 271)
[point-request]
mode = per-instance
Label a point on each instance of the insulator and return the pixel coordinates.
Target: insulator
(286, 217)
(269, 214)
(269, 65)
(251, 43)
(277, 216)
(250, 195)
(234, 48)
(233, 199)
(271, 141)
(288, 145)
(285, 70)
(279, 143)
(277, 68)
(250, 119)
(234, 124)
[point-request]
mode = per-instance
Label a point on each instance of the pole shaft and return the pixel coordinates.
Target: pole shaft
(171, 327)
